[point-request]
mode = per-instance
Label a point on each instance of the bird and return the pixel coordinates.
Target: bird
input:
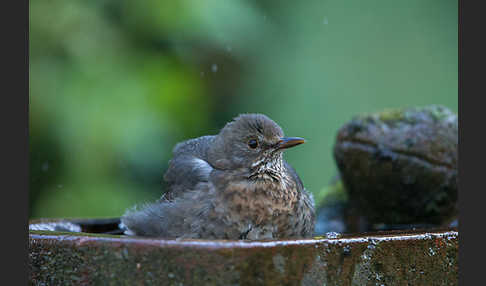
(234, 185)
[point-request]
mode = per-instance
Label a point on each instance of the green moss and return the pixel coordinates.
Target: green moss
(330, 194)
(438, 112)
(408, 115)
(390, 115)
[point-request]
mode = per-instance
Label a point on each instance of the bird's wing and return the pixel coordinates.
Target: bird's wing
(307, 200)
(188, 167)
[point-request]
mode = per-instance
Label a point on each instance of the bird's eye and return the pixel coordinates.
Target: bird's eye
(252, 143)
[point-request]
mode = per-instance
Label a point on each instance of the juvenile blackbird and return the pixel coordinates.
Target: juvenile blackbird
(234, 185)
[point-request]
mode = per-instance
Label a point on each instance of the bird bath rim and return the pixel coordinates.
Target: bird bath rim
(339, 238)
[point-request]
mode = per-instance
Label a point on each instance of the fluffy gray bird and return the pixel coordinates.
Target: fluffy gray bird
(234, 185)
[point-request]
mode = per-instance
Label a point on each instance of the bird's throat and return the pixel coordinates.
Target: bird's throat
(268, 168)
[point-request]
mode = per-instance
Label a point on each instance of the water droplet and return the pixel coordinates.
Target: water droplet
(45, 166)
(332, 234)
(325, 21)
(214, 68)
(59, 186)
(347, 250)
(372, 243)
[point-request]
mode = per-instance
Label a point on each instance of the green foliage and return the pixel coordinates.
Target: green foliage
(114, 85)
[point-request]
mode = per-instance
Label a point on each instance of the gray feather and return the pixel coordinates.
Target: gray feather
(189, 166)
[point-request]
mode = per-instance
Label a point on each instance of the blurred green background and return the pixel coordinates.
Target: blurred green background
(114, 85)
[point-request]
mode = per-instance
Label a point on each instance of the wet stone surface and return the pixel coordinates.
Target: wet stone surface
(399, 167)
(388, 258)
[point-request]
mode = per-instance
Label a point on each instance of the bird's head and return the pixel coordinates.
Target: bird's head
(252, 141)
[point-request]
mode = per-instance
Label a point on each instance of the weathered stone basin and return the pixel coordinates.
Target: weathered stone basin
(399, 167)
(419, 257)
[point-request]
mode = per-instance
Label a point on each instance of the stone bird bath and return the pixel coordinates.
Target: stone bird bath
(87, 255)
